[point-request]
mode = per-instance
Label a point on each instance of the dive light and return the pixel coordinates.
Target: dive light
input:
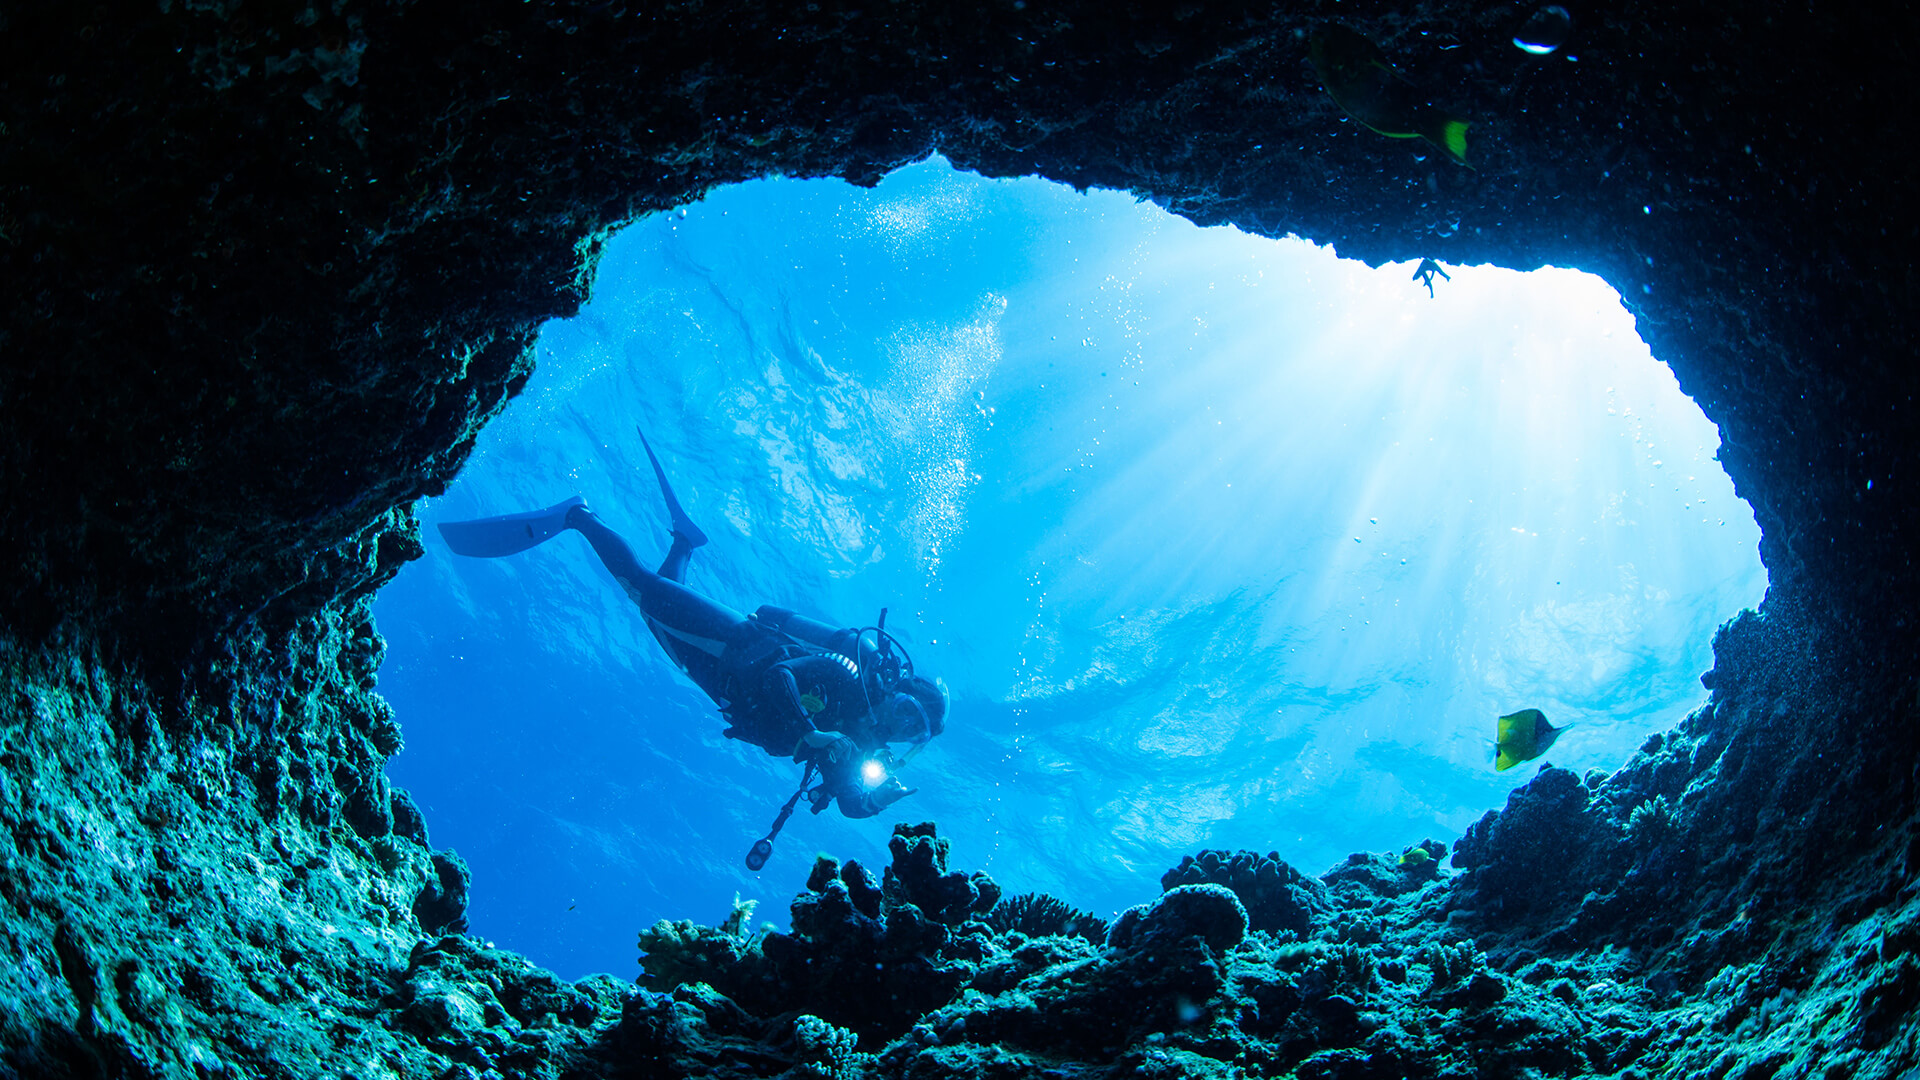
(877, 769)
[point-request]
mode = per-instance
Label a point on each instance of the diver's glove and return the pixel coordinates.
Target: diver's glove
(857, 801)
(826, 748)
(888, 793)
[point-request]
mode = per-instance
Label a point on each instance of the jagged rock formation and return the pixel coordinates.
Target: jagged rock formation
(270, 266)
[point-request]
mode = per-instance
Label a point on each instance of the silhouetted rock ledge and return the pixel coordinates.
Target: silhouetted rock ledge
(269, 268)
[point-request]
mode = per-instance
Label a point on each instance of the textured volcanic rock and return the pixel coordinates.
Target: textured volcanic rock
(269, 267)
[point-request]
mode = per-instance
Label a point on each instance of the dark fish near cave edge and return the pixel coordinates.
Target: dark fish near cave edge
(1358, 77)
(1522, 736)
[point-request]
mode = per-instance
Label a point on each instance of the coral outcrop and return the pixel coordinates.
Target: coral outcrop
(271, 266)
(867, 957)
(1040, 915)
(1276, 896)
(1386, 977)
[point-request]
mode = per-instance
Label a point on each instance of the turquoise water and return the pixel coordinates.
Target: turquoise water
(1218, 541)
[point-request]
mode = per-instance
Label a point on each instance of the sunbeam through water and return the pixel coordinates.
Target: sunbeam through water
(1219, 541)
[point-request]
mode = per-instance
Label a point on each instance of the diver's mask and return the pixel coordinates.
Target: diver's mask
(905, 720)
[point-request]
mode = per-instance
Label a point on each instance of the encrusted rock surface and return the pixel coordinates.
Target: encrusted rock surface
(1391, 976)
(268, 268)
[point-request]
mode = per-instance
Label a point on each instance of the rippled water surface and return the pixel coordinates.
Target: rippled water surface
(1218, 541)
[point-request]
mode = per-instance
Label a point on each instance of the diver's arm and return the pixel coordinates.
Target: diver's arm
(787, 713)
(786, 692)
(857, 806)
(837, 759)
(840, 780)
(867, 803)
(818, 692)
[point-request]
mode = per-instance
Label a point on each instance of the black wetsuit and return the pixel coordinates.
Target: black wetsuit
(776, 676)
(787, 699)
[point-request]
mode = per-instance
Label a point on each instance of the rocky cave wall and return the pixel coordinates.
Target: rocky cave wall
(270, 266)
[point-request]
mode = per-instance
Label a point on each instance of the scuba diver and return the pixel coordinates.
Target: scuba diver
(832, 699)
(1424, 274)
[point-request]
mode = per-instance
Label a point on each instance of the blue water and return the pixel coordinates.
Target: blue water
(1218, 541)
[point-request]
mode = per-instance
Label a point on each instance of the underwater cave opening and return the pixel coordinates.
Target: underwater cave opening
(1219, 541)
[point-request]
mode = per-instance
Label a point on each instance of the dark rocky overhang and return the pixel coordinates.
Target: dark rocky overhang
(269, 267)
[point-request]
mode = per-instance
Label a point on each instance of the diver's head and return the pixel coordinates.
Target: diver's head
(914, 711)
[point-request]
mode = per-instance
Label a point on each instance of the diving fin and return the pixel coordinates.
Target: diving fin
(490, 538)
(683, 526)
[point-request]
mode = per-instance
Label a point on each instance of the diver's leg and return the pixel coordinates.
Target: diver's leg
(674, 566)
(686, 535)
(684, 613)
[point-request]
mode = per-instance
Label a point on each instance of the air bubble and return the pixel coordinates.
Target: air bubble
(1544, 31)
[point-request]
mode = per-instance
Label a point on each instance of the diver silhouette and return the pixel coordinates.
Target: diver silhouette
(831, 698)
(1424, 274)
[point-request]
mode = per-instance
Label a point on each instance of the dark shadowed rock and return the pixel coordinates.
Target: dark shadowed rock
(441, 906)
(1516, 856)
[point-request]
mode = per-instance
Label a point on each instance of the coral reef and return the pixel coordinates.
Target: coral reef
(1276, 896)
(1040, 915)
(867, 958)
(1384, 982)
(271, 267)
